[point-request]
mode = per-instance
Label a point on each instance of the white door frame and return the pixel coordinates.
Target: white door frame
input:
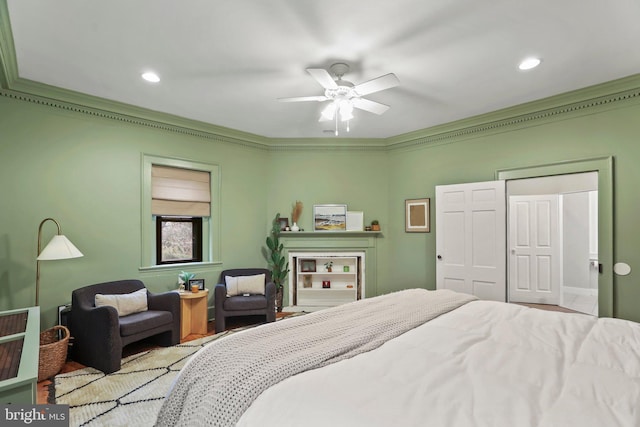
(604, 167)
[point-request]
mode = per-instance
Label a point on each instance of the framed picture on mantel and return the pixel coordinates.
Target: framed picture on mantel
(355, 221)
(417, 215)
(329, 217)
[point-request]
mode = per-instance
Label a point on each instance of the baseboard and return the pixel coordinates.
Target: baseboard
(587, 292)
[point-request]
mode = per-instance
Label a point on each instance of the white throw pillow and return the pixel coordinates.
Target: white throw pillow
(245, 285)
(134, 302)
(232, 285)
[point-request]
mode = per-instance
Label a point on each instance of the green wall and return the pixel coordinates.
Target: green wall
(85, 171)
(82, 167)
(611, 132)
(357, 178)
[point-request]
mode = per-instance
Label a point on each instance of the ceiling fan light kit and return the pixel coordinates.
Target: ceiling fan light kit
(344, 95)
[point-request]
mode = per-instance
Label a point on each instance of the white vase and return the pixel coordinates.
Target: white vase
(295, 227)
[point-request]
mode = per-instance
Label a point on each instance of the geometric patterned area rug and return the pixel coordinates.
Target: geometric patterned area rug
(131, 396)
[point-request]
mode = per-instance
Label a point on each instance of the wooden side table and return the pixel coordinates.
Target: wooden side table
(193, 313)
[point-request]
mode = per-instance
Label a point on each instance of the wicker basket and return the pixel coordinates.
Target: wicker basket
(53, 352)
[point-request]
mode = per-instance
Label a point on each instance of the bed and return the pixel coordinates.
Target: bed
(416, 358)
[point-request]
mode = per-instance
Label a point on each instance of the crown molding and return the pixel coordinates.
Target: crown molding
(614, 94)
(329, 144)
(39, 93)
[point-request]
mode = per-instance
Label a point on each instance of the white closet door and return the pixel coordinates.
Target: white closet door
(470, 239)
(534, 249)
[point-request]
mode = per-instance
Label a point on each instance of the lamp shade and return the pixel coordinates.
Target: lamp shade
(59, 248)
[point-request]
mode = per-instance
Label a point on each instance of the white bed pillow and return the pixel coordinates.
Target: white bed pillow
(133, 302)
(245, 285)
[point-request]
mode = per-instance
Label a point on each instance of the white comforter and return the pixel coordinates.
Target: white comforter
(483, 364)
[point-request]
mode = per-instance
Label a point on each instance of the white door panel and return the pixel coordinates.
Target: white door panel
(534, 257)
(470, 239)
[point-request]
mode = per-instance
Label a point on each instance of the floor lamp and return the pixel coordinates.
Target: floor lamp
(58, 248)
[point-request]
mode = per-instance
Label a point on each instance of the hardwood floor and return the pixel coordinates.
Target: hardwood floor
(133, 348)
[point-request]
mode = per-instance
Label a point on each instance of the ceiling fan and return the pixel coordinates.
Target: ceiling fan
(346, 96)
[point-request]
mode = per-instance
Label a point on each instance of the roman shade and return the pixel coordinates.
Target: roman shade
(180, 192)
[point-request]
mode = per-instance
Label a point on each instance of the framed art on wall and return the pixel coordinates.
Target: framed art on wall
(417, 215)
(329, 217)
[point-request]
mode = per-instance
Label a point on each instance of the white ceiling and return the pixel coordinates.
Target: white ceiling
(226, 62)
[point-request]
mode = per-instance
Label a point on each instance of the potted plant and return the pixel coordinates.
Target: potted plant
(277, 262)
(183, 279)
(328, 266)
(375, 225)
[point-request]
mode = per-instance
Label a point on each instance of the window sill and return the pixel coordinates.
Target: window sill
(180, 266)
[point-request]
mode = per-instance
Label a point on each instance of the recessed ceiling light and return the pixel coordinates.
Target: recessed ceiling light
(529, 63)
(151, 77)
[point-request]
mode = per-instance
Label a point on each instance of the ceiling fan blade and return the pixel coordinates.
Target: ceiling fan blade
(304, 98)
(381, 83)
(323, 77)
(370, 106)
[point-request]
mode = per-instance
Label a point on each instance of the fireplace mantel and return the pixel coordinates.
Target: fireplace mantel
(320, 234)
(335, 242)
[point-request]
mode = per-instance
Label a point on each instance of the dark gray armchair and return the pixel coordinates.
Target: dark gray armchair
(241, 305)
(99, 334)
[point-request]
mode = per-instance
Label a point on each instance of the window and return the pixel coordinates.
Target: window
(178, 239)
(197, 213)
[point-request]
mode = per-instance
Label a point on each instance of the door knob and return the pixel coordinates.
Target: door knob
(439, 257)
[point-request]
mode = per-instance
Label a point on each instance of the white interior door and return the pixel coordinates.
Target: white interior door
(534, 249)
(470, 239)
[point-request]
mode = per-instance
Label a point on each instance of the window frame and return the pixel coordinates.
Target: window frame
(211, 243)
(196, 240)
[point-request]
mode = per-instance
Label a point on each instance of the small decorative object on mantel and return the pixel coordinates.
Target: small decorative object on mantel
(367, 228)
(295, 215)
(329, 266)
(284, 224)
(326, 284)
(375, 225)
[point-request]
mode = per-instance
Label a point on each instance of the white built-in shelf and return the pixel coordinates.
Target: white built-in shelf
(313, 285)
